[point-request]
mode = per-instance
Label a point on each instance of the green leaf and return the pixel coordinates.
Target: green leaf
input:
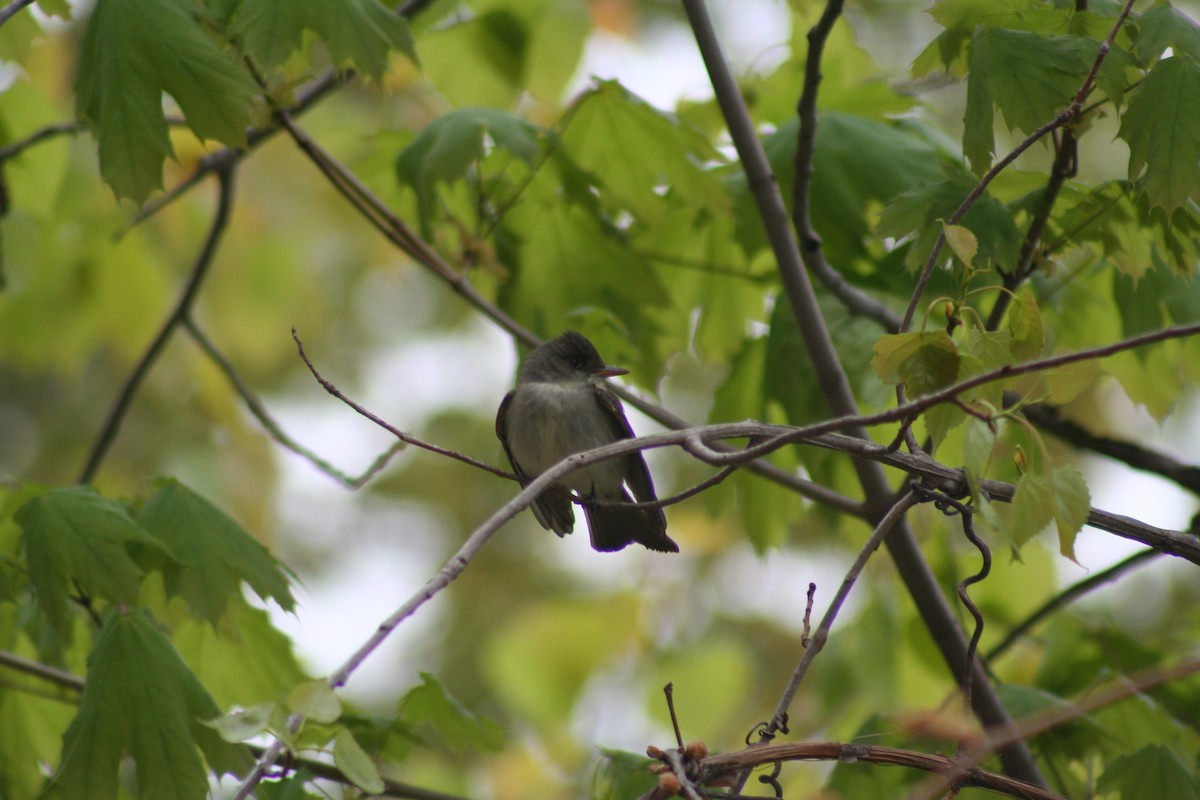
(979, 441)
(1033, 506)
(1153, 773)
(16, 38)
(359, 33)
(241, 724)
(1164, 140)
(430, 703)
(133, 51)
(1059, 495)
(1030, 78)
(636, 151)
(355, 764)
(452, 144)
(1074, 737)
(141, 699)
(1025, 325)
(922, 210)
(74, 534)
(244, 660)
(621, 774)
(213, 554)
(58, 8)
(923, 361)
(571, 271)
(962, 242)
(864, 162)
(30, 736)
(1072, 502)
(1165, 27)
(315, 700)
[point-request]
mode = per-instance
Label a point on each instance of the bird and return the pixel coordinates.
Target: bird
(562, 405)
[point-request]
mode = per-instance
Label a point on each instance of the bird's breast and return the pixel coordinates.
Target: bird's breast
(548, 422)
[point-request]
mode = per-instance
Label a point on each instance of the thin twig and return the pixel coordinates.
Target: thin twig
(821, 636)
(1171, 542)
(453, 567)
(45, 672)
(274, 429)
(11, 9)
(723, 764)
(387, 426)
(116, 414)
(1050, 419)
(669, 691)
(855, 299)
(1063, 118)
(1062, 168)
(1070, 595)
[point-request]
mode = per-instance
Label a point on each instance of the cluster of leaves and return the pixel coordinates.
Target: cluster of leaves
(632, 224)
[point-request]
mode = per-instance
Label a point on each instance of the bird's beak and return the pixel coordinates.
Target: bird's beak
(609, 371)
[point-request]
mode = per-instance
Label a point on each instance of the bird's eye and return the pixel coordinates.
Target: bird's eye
(575, 361)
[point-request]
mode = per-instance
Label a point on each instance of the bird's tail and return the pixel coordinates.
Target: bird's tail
(615, 527)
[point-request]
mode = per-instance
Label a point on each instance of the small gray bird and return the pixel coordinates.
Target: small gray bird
(562, 406)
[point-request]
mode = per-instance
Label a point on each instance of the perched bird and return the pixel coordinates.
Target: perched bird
(561, 406)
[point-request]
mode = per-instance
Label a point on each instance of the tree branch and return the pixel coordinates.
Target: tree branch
(66, 680)
(399, 434)
(1070, 595)
(12, 8)
(116, 414)
(777, 436)
(273, 429)
(715, 767)
(449, 572)
(856, 300)
(1049, 419)
(817, 643)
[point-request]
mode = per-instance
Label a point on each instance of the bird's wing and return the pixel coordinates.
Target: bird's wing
(502, 435)
(552, 512)
(637, 475)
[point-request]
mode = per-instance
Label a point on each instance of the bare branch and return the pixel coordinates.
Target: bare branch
(1177, 543)
(856, 300)
(12, 8)
(116, 414)
(45, 672)
(817, 643)
(1049, 419)
(387, 426)
(449, 572)
(725, 763)
(1070, 595)
(273, 429)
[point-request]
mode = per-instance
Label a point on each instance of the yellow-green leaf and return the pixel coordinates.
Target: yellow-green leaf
(923, 361)
(962, 242)
(1072, 502)
(355, 764)
(315, 700)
